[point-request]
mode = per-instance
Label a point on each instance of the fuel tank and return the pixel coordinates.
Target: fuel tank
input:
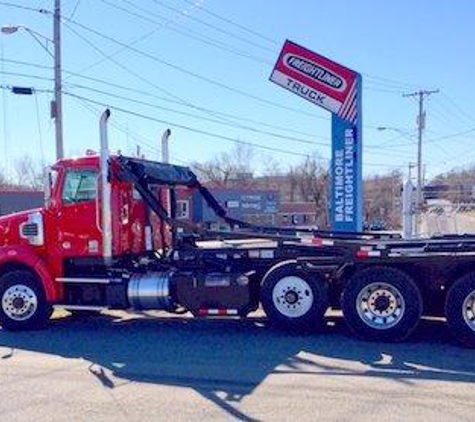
(194, 291)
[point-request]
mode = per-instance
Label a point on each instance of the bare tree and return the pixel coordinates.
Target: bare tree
(229, 168)
(458, 185)
(4, 182)
(383, 199)
(309, 183)
(28, 173)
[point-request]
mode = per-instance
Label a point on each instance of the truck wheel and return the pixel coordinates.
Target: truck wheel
(381, 304)
(292, 299)
(23, 302)
(460, 310)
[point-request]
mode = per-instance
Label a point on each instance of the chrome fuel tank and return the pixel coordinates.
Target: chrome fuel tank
(150, 291)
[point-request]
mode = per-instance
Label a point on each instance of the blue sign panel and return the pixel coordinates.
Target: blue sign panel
(346, 173)
(238, 204)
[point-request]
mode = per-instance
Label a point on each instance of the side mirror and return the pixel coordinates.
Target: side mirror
(49, 180)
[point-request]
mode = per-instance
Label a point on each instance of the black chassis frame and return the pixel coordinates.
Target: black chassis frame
(434, 263)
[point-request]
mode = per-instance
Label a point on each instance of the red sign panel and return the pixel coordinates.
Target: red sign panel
(317, 79)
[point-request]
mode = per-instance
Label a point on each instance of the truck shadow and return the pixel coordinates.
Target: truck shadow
(225, 361)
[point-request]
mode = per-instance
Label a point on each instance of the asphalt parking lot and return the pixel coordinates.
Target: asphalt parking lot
(134, 367)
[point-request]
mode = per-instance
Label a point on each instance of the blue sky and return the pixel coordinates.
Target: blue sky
(398, 46)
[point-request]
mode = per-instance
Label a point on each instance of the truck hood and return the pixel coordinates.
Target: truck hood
(10, 227)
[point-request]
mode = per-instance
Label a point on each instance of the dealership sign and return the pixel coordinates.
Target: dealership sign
(346, 193)
(338, 90)
(317, 79)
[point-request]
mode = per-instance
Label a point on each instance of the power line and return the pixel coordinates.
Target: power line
(138, 138)
(453, 135)
(459, 114)
(190, 73)
(187, 128)
(26, 75)
(203, 132)
(233, 23)
(243, 127)
(138, 39)
(185, 32)
(391, 83)
(185, 71)
(461, 110)
(76, 6)
(378, 79)
(247, 128)
(127, 69)
(180, 102)
(218, 44)
(19, 6)
(219, 122)
(165, 99)
(214, 27)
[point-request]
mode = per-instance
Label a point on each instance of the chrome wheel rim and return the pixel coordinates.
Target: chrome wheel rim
(380, 305)
(19, 302)
(292, 296)
(469, 310)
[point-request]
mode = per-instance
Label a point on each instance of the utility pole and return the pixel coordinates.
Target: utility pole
(422, 94)
(57, 107)
(410, 167)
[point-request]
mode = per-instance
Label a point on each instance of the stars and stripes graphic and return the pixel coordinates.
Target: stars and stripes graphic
(349, 109)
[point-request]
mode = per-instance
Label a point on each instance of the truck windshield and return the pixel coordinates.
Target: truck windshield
(80, 186)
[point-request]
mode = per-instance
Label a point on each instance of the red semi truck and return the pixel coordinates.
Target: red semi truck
(95, 245)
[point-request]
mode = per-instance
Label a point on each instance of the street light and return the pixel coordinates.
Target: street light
(57, 104)
(12, 29)
(403, 133)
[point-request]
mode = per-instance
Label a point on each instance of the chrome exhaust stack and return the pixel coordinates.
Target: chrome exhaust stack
(105, 190)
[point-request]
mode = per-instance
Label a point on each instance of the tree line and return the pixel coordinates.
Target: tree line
(306, 181)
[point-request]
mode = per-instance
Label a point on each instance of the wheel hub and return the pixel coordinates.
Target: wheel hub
(292, 296)
(19, 302)
(380, 305)
(469, 310)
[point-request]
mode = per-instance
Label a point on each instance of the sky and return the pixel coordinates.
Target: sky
(202, 67)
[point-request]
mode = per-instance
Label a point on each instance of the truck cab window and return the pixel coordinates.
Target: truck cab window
(80, 186)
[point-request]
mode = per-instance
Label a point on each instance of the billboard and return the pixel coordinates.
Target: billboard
(317, 79)
(337, 89)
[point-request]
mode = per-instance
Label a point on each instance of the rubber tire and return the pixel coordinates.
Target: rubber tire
(454, 307)
(313, 320)
(406, 286)
(43, 312)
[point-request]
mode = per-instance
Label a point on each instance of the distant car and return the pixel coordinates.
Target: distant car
(377, 225)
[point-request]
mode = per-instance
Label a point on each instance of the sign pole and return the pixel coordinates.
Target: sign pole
(346, 207)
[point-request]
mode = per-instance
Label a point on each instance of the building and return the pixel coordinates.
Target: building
(12, 200)
(252, 205)
(301, 214)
